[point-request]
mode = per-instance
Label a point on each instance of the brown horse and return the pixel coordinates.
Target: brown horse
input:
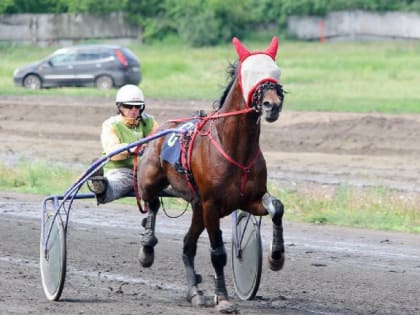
(223, 169)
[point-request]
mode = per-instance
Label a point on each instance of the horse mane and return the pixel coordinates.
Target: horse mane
(232, 71)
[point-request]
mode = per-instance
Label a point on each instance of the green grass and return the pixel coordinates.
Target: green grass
(373, 208)
(334, 76)
(46, 178)
(39, 177)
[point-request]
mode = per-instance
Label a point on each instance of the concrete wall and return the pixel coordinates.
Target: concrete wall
(48, 28)
(356, 25)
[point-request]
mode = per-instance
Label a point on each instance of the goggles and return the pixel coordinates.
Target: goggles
(131, 106)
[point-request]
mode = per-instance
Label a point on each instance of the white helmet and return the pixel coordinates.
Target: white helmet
(129, 94)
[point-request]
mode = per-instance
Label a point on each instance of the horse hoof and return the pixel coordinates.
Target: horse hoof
(226, 307)
(198, 300)
(196, 297)
(276, 263)
(146, 256)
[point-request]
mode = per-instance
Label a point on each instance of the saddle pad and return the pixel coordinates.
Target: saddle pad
(171, 150)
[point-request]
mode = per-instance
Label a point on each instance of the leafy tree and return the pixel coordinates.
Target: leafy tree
(152, 16)
(95, 6)
(31, 6)
(203, 22)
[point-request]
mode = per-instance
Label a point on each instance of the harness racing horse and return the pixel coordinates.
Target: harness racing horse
(223, 170)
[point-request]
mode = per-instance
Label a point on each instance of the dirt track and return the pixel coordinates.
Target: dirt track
(328, 270)
(360, 149)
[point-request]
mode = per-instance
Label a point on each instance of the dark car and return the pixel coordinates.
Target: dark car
(103, 66)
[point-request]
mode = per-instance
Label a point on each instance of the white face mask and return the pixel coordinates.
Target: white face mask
(256, 69)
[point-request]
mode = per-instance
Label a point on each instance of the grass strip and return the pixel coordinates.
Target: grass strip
(377, 76)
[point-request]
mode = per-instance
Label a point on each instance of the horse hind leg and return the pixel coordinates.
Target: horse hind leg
(275, 208)
(149, 240)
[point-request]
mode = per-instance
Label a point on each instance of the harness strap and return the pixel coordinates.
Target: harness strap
(214, 115)
(245, 168)
(187, 160)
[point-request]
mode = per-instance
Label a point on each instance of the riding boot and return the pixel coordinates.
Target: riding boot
(148, 241)
(98, 184)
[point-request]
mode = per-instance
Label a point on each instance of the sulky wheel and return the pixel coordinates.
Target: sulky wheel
(247, 262)
(53, 258)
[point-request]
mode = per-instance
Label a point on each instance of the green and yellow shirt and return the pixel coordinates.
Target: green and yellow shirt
(118, 131)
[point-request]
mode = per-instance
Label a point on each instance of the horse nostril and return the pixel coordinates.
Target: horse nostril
(267, 105)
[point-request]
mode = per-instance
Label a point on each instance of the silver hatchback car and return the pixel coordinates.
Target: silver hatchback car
(103, 66)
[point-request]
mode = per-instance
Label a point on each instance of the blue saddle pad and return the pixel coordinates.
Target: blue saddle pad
(171, 150)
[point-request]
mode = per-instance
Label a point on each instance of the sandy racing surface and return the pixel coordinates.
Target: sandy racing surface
(329, 270)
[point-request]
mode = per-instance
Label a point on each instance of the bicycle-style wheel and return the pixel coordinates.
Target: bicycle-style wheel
(53, 259)
(246, 256)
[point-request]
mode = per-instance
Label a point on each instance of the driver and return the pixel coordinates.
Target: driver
(131, 123)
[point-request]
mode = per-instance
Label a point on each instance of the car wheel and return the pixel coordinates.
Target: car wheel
(104, 82)
(32, 81)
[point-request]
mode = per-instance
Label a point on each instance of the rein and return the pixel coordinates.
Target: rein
(213, 116)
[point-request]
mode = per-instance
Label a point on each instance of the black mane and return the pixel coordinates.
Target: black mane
(232, 72)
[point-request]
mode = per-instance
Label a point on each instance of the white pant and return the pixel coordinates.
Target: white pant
(120, 183)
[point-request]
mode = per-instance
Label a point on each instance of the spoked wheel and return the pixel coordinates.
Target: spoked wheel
(246, 256)
(53, 258)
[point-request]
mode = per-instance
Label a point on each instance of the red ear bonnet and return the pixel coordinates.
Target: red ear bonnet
(242, 52)
(272, 49)
(256, 67)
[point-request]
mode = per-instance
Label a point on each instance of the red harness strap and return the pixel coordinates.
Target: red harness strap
(186, 156)
(186, 161)
(245, 168)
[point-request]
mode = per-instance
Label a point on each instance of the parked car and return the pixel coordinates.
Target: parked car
(103, 66)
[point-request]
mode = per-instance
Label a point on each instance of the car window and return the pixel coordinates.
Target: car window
(92, 55)
(62, 59)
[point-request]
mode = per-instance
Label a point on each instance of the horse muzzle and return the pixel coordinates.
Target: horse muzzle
(271, 111)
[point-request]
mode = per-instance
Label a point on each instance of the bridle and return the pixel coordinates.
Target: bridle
(256, 106)
(258, 95)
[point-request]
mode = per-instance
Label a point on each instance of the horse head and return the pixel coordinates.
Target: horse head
(259, 78)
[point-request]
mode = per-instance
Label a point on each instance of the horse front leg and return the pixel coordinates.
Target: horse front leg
(149, 240)
(276, 209)
(194, 295)
(218, 259)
